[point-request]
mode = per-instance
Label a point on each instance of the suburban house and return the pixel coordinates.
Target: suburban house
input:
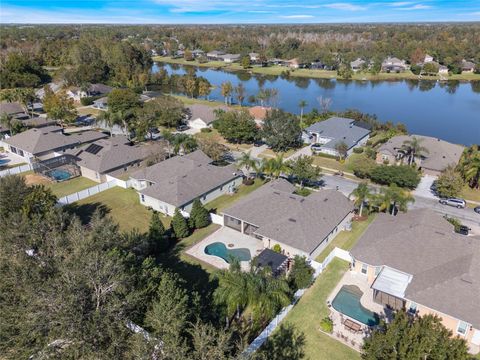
(294, 63)
(259, 113)
(427, 59)
(197, 53)
(468, 66)
(215, 55)
(442, 69)
(440, 154)
(300, 225)
(393, 64)
(254, 57)
(105, 156)
(416, 262)
(17, 113)
(202, 116)
(335, 130)
(55, 87)
(358, 64)
(13, 109)
(47, 142)
(77, 93)
(230, 58)
(101, 104)
(178, 181)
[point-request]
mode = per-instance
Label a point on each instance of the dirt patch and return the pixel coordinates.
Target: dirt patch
(35, 179)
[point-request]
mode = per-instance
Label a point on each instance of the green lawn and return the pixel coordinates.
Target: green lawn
(470, 194)
(269, 153)
(68, 187)
(224, 201)
(312, 308)
(121, 204)
(347, 239)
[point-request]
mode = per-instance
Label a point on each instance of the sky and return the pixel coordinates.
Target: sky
(236, 11)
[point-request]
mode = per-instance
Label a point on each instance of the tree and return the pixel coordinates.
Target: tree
(240, 93)
(213, 149)
(416, 337)
(470, 166)
(199, 216)
(24, 96)
(403, 175)
(449, 183)
(187, 55)
(413, 149)
(287, 343)
(275, 167)
(393, 198)
(342, 149)
(180, 225)
(21, 70)
(361, 193)
(248, 163)
(59, 106)
(302, 104)
(123, 101)
(362, 166)
(301, 274)
(13, 192)
(325, 103)
(281, 130)
(245, 62)
(226, 90)
(184, 144)
(303, 170)
(204, 87)
(190, 84)
(345, 72)
(430, 68)
(236, 126)
(38, 202)
(157, 235)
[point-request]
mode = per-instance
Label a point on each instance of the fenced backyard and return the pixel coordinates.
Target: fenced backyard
(83, 194)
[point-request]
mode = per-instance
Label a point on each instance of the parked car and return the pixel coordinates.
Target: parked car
(458, 203)
(477, 209)
(153, 134)
(182, 127)
(316, 147)
(463, 230)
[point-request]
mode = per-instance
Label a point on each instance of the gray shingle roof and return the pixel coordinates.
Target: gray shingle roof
(440, 153)
(10, 108)
(445, 266)
(181, 179)
(297, 221)
(49, 138)
(204, 112)
(339, 129)
(115, 152)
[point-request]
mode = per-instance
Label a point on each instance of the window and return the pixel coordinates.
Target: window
(462, 327)
(364, 268)
(412, 308)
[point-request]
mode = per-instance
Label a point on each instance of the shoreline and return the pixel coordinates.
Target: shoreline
(276, 70)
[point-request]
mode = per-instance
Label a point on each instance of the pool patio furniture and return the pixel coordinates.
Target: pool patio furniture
(352, 325)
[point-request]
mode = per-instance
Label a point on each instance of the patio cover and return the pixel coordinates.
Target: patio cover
(392, 282)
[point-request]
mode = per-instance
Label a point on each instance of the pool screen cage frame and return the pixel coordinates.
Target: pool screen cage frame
(66, 162)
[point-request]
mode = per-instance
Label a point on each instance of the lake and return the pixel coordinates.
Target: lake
(447, 110)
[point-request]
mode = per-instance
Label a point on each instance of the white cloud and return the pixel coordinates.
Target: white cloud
(416, 7)
(297, 16)
(345, 6)
(401, 3)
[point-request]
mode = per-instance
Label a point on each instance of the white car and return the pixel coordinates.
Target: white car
(458, 203)
(153, 134)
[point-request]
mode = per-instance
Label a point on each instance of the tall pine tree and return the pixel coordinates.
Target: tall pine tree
(180, 225)
(199, 216)
(157, 236)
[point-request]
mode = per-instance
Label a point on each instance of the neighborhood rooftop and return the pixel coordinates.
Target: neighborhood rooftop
(444, 266)
(300, 222)
(181, 179)
(204, 112)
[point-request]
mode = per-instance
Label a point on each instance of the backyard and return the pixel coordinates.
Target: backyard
(224, 201)
(61, 188)
(312, 308)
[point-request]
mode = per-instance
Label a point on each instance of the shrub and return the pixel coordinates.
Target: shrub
(277, 248)
(88, 100)
(248, 181)
(454, 221)
(358, 150)
(303, 192)
(416, 69)
(206, 130)
(403, 176)
(362, 167)
(301, 275)
(326, 324)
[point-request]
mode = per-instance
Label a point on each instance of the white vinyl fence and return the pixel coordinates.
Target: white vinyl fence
(216, 219)
(319, 267)
(86, 193)
(16, 170)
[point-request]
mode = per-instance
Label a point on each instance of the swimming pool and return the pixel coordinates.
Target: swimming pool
(59, 174)
(220, 250)
(347, 301)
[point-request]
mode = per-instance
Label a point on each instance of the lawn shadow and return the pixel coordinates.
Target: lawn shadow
(86, 211)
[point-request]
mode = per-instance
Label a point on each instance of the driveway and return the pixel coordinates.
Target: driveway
(306, 150)
(423, 188)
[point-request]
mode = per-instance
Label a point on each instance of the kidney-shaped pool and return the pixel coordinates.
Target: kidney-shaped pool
(220, 250)
(347, 301)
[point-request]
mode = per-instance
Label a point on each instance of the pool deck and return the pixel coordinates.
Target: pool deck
(227, 236)
(340, 332)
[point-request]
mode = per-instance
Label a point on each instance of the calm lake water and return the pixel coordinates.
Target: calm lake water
(449, 110)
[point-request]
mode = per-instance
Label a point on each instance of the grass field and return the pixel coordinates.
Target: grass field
(68, 187)
(224, 201)
(470, 194)
(215, 136)
(121, 204)
(347, 239)
(312, 308)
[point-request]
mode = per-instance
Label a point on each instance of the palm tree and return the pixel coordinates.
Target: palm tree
(361, 194)
(240, 92)
(6, 121)
(302, 105)
(226, 90)
(183, 143)
(414, 149)
(204, 88)
(275, 167)
(169, 137)
(392, 198)
(247, 162)
(110, 119)
(470, 166)
(342, 149)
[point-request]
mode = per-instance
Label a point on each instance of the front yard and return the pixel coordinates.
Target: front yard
(312, 308)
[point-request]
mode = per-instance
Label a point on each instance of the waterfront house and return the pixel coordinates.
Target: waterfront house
(197, 53)
(393, 64)
(178, 181)
(230, 58)
(77, 93)
(427, 59)
(215, 55)
(357, 64)
(440, 154)
(335, 130)
(202, 116)
(442, 69)
(259, 113)
(468, 66)
(47, 142)
(300, 225)
(254, 57)
(416, 262)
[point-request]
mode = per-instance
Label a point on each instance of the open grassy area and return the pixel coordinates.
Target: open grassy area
(121, 204)
(190, 101)
(347, 239)
(70, 186)
(328, 163)
(182, 61)
(89, 111)
(215, 136)
(224, 201)
(470, 194)
(312, 308)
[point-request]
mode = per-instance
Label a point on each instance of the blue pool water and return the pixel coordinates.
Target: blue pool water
(59, 174)
(347, 301)
(220, 250)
